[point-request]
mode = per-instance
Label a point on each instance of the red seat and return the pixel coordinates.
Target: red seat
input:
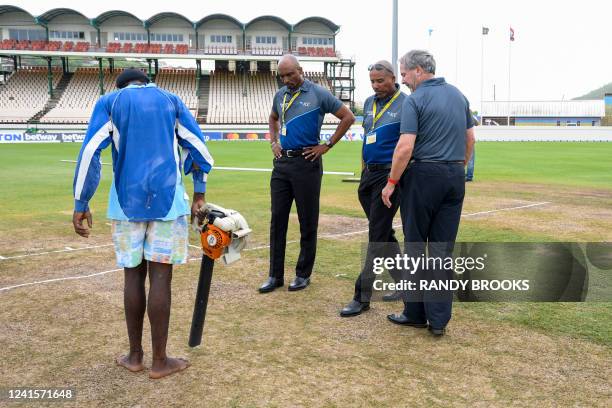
(82, 46)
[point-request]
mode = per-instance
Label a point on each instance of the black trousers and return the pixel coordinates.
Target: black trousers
(381, 236)
(294, 178)
(432, 198)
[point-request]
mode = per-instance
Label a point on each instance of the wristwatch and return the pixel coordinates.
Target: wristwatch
(329, 144)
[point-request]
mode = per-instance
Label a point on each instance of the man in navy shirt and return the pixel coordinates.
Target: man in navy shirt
(436, 142)
(295, 123)
(381, 124)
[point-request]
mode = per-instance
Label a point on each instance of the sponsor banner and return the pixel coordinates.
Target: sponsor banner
(61, 137)
(212, 136)
(41, 137)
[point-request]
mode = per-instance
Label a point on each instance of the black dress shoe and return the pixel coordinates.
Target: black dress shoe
(392, 297)
(437, 332)
(299, 284)
(354, 308)
(271, 284)
(402, 320)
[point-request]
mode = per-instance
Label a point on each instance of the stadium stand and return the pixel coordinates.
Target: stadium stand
(237, 91)
(79, 99)
(247, 98)
(25, 93)
(181, 82)
(240, 98)
(80, 96)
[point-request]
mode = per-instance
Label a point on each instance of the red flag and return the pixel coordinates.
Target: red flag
(511, 34)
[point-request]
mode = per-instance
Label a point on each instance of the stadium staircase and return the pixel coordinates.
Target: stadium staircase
(52, 102)
(203, 92)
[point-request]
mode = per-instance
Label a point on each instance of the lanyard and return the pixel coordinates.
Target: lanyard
(384, 109)
(285, 108)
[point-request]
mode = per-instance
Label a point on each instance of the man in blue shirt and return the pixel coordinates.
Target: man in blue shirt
(436, 142)
(295, 123)
(148, 206)
(381, 124)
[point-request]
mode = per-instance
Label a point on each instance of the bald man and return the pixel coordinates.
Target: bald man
(381, 125)
(295, 123)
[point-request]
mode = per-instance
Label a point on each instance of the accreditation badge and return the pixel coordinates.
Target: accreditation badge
(371, 138)
(284, 130)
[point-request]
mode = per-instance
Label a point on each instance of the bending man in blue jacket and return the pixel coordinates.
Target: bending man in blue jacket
(148, 206)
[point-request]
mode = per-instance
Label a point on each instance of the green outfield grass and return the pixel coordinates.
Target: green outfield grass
(575, 179)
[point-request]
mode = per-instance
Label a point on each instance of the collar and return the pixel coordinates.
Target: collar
(149, 85)
(305, 87)
(433, 82)
(388, 98)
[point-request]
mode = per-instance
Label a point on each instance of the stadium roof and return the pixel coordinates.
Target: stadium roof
(220, 17)
(13, 9)
(51, 14)
(160, 16)
(322, 20)
(113, 13)
(271, 18)
(97, 21)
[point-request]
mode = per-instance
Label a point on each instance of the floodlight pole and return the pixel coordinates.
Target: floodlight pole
(394, 40)
(509, 77)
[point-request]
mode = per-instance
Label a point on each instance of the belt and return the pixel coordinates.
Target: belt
(378, 166)
(292, 153)
(436, 161)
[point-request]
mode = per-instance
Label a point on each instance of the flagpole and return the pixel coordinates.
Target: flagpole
(482, 35)
(394, 56)
(509, 76)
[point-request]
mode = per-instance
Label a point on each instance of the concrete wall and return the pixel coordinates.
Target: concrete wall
(123, 24)
(72, 22)
(267, 28)
(17, 20)
(220, 27)
(173, 25)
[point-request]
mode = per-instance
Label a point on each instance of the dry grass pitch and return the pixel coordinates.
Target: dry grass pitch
(292, 349)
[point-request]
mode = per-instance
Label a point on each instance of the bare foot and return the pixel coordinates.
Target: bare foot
(132, 361)
(167, 366)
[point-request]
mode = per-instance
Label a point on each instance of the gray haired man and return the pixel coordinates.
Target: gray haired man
(436, 142)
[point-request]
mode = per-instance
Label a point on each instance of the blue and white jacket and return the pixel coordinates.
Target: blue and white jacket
(145, 126)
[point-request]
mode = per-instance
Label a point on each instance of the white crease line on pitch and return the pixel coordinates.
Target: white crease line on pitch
(253, 169)
(289, 242)
(247, 249)
(507, 209)
(67, 249)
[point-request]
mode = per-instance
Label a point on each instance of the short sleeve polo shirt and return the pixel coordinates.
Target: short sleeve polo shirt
(379, 141)
(304, 118)
(438, 114)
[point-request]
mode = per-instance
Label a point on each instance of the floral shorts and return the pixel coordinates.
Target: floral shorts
(159, 241)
